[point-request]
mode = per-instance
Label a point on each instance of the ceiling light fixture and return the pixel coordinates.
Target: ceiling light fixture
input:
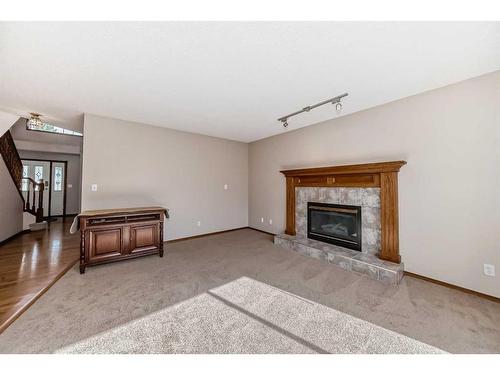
(336, 100)
(34, 122)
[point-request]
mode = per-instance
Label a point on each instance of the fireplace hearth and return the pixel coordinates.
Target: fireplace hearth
(335, 223)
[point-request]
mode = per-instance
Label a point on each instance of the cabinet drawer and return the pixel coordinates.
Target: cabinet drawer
(144, 237)
(105, 243)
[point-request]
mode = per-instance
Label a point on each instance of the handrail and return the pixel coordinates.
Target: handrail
(34, 182)
(11, 158)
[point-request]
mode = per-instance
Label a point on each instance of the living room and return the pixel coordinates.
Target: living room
(250, 187)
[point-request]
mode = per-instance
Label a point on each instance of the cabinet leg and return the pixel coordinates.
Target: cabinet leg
(82, 269)
(161, 253)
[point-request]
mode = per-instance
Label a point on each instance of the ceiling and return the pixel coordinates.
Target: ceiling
(231, 79)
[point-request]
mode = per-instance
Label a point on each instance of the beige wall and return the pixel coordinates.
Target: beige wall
(449, 191)
(135, 165)
(11, 205)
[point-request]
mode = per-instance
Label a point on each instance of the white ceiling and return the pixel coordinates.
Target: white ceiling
(230, 79)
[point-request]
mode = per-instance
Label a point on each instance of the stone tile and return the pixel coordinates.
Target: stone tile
(301, 226)
(333, 196)
(370, 240)
(353, 196)
(368, 258)
(323, 195)
(286, 243)
(370, 197)
(340, 260)
(390, 277)
(312, 194)
(367, 264)
(369, 270)
(370, 217)
(300, 194)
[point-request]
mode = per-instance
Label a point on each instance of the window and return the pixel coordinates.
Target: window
(38, 173)
(58, 175)
(48, 128)
(24, 183)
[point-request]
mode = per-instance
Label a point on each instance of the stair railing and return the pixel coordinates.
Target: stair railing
(14, 165)
(35, 190)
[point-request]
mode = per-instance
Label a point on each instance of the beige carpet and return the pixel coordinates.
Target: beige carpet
(246, 316)
(83, 308)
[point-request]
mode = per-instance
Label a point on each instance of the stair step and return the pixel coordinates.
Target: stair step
(38, 226)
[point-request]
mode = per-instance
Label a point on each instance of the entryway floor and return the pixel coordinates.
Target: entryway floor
(31, 263)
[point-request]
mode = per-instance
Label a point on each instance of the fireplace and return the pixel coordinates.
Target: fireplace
(335, 223)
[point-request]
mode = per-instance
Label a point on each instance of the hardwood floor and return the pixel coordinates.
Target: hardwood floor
(31, 263)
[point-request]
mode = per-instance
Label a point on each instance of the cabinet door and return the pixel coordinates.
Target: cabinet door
(105, 243)
(144, 237)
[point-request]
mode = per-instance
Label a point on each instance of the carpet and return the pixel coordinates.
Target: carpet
(247, 316)
(108, 297)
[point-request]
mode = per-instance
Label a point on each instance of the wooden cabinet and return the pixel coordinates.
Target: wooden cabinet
(113, 235)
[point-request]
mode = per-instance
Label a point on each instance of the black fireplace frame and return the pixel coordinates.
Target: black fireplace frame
(354, 245)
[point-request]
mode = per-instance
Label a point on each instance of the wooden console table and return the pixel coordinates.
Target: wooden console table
(119, 234)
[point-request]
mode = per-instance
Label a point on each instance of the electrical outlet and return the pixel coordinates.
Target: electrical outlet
(225, 186)
(489, 269)
(261, 219)
(270, 221)
(198, 223)
(94, 187)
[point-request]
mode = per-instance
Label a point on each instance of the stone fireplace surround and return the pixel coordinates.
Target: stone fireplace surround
(371, 186)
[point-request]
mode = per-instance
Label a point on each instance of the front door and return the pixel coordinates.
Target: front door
(38, 170)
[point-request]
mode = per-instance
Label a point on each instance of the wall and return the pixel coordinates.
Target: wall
(448, 192)
(138, 165)
(6, 121)
(11, 205)
(73, 194)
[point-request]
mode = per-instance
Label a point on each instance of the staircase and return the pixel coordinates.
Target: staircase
(32, 196)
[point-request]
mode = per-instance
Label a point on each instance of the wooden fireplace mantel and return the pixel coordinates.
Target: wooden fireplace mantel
(381, 175)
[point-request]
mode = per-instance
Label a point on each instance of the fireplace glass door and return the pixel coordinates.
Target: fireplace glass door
(334, 223)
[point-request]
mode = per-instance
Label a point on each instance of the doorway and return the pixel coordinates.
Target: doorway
(54, 173)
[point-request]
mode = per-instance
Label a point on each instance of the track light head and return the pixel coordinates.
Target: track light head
(333, 101)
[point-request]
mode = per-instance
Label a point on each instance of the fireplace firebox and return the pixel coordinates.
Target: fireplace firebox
(335, 223)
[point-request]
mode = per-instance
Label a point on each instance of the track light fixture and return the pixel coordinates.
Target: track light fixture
(335, 100)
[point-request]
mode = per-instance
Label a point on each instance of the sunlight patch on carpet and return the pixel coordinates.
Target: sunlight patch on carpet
(248, 316)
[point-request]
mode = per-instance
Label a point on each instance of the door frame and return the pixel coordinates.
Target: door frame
(50, 182)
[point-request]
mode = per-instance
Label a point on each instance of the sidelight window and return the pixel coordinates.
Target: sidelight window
(58, 176)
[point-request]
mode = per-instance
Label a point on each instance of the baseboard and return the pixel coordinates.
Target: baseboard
(261, 231)
(203, 235)
(452, 286)
(14, 236)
